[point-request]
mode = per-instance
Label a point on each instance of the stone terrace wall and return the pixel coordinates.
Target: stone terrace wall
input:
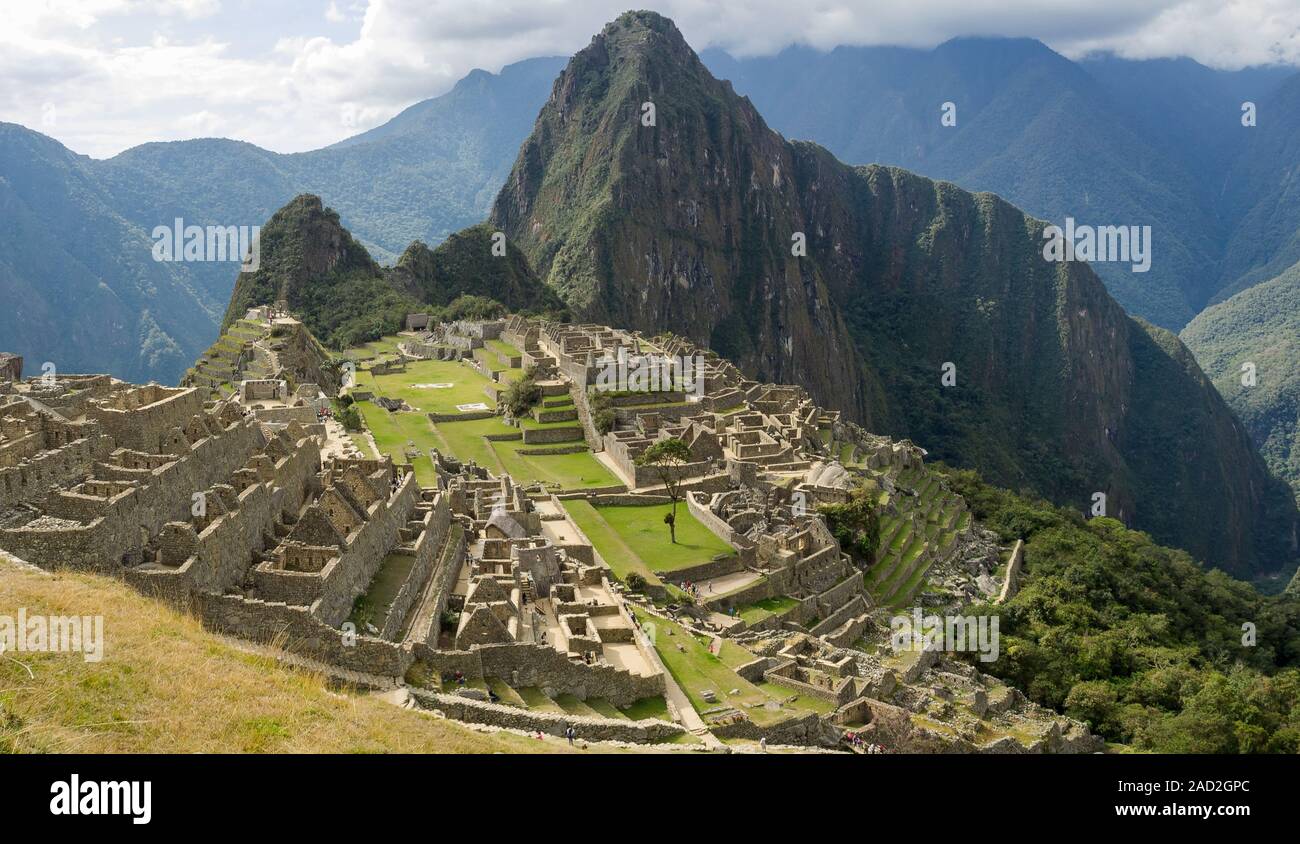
(220, 556)
(33, 479)
(525, 664)
(298, 632)
(587, 728)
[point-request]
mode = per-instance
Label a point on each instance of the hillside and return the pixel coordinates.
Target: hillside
(687, 225)
(1130, 637)
(1263, 193)
(311, 262)
(167, 686)
(464, 265)
(1261, 326)
(81, 288)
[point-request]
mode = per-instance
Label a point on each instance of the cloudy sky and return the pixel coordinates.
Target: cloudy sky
(292, 75)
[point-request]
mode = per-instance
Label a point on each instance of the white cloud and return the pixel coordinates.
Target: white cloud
(298, 75)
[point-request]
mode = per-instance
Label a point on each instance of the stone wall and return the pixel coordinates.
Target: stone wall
(526, 664)
(427, 547)
(803, 730)
(145, 427)
(587, 728)
(543, 436)
(367, 547)
(32, 480)
(219, 557)
(1011, 582)
(298, 632)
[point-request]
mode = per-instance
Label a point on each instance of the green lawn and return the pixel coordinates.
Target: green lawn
(759, 610)
(635, 538)
(465, 441)
(392, 431)
(467, 385)
(503, 347)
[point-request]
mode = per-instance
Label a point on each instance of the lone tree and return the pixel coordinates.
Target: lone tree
(667, 457)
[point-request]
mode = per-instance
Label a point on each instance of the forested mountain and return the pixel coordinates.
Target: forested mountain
(1250, 347)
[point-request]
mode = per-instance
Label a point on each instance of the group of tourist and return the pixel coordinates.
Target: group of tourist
(860, 744)
(693, 589)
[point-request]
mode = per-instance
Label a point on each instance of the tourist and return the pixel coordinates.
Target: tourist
(569, 733)
(762, 744)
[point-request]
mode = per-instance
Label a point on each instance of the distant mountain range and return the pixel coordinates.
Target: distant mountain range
(75, 263)
(1105, 141)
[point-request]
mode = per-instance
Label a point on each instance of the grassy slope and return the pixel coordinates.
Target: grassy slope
(165, 685)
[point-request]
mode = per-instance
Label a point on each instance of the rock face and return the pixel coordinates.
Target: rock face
(650, 195)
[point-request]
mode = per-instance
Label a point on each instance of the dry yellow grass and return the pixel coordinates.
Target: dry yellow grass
(166, 685)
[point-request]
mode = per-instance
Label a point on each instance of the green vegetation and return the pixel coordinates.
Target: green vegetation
(630, 541)
(466, 264)
(603, 416)
(856, 524)
(522, 396)
(1136, 639)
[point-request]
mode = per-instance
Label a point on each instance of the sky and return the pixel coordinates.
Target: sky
(291, 75)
